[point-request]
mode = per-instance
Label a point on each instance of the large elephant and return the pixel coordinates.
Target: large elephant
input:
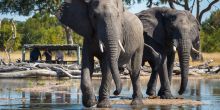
(166, 30)
(111, 34)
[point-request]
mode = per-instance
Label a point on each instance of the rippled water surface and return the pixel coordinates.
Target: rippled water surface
(11, 97)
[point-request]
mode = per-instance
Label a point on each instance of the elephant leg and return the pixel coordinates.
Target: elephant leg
(88, 96)
(104, 90)
(151, 86)
(135, 65)
(170, 64)
(164, 91)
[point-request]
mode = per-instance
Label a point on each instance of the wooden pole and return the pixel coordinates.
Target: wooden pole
(23, 54)
(78, 55)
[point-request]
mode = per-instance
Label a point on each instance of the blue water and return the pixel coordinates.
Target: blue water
(207, 91)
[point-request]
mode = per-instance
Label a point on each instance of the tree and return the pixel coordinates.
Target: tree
(213, 23)
(42, 29)
(26, 7)
(6, 33)
(210, 39)
(186, 4)
(9, 38)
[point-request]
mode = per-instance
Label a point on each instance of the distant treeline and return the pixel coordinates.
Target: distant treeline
(39, 29)
(210, 33)
(45, 29)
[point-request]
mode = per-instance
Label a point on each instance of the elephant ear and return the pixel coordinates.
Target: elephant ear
(194, 24)
(152, 20)
(74, 13)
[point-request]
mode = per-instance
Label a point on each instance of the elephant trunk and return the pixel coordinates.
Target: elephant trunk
(110, 37)
(184, 53)
(113, 60)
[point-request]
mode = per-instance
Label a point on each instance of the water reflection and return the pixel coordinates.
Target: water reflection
(207, 91)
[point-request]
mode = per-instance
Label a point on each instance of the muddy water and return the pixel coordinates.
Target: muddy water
(11, 96)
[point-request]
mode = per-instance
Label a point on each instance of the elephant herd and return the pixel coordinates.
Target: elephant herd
(117, 37)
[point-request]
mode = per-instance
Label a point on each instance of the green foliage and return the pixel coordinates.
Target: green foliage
(77, 39)
(210, 35)
(6, 33)
(26, 7)
(210, 42)
(213, 23)
(42, 29)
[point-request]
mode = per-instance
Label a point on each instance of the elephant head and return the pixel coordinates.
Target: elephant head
(184, 31)
(101, 20)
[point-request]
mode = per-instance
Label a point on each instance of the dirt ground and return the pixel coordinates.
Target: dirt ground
(163, 102)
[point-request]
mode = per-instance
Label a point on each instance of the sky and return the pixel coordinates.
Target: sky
(133, 8)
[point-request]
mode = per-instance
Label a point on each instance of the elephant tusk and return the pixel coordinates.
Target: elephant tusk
(101, 46)
(152, 49)
(174, 48)
(194, 50)
(122, 48)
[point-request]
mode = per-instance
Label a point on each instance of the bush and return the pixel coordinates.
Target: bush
(210, 42)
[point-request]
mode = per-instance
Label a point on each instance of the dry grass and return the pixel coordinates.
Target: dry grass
(14, 56)
(207, 56)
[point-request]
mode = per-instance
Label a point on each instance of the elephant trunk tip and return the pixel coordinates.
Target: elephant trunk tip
(181, 91)
(118, 90)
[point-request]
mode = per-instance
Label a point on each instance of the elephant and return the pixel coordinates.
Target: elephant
(167, 30)
(114, 36)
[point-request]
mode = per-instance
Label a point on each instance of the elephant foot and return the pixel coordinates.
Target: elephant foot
(89, 101)
(137, 101)
(165, 95)
(151, 92)
(105, 103)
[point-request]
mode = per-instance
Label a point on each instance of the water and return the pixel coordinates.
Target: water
(11, 97)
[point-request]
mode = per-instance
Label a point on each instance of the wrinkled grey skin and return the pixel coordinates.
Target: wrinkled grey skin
(163, 29)
(103, 23)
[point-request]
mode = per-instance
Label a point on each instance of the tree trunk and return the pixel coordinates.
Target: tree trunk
(29, 73)
(198, 9)
(171, 4)
(206, 10)
(69, 37)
